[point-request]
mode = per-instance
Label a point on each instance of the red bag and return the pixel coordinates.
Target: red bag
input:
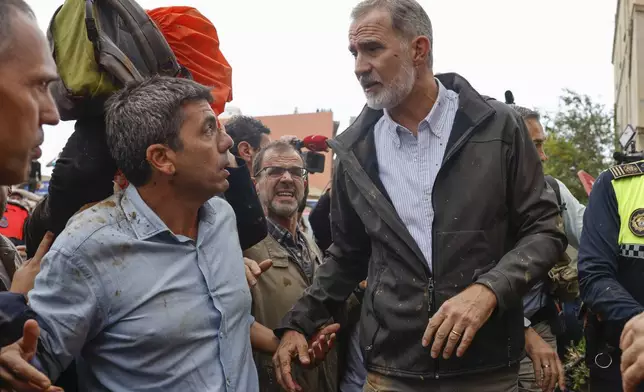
(194, 41)
(13, 221)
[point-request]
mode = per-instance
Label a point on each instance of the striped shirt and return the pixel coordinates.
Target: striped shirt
(408, 165)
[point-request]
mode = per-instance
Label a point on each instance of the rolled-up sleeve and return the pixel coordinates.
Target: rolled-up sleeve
(66, 299)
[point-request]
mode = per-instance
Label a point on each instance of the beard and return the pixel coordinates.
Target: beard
(283, 210)
(391, 95)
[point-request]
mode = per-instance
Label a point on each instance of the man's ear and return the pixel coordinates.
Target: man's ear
(161, 158)
(245, 151)
(421, 48)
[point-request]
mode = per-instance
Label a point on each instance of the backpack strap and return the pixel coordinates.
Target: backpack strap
(550, 180)
(155, 49)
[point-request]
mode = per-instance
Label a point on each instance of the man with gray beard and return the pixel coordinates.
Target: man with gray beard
(439, 200)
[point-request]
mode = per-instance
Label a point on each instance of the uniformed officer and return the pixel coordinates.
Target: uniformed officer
(611, 268)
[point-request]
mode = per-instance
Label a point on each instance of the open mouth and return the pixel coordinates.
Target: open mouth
(370, 85)
(285, 194)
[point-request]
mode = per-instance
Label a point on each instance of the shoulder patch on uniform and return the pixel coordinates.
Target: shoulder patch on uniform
(627, 170)
(636, 222)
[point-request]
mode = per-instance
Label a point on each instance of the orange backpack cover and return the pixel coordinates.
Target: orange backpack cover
(194, 41)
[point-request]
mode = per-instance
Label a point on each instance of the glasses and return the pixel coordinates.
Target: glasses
(277, 171)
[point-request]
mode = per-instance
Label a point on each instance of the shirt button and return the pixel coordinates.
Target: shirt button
(228, 381)
(221, 335)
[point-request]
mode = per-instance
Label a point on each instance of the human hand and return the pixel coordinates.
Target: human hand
(294, 344)
(322, 343)
(255, 270)
(632, 346)
(15, 371)
(548, 370)
(459, 318)
(23, 279)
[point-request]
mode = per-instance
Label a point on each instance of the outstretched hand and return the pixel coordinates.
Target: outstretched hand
(294, 345)
(15, 371)
(254, 269)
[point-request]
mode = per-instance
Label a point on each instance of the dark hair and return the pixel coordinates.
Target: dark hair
(246, 129)
(147, 113)
(526, 113)
(36, 226)
(8, 9)
(279, 145)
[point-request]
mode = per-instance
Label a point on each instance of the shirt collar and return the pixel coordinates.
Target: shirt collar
(145, 222)
(433, 119)
(278, 232)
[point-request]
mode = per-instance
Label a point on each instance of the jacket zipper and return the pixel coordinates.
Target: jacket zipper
(431, 286)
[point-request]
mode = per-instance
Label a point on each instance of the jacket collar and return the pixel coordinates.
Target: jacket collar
(472, 108)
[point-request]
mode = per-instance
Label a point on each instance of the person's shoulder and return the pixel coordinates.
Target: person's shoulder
(220, 205)
(220, 210)
(625, 170)
(100, 219)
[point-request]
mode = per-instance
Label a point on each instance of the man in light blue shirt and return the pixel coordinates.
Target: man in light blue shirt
(147, 290)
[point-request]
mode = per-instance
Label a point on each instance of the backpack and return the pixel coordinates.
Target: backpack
(101, 45)
(562, 283)
(195, 42)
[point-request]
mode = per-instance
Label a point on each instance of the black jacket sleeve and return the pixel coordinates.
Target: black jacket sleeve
(345, 265)
(320, 220)
(533, 212)
(241, 195)
(598, 256)
(83, 173)
(14, 312)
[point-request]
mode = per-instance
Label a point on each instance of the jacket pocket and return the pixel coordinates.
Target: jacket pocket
(371, 323)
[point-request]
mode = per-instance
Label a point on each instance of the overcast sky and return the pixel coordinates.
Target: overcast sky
(293, 53)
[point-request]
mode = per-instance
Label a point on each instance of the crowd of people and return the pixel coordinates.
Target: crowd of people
(440, 259)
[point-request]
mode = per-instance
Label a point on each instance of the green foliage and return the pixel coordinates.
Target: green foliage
(577, 373)
(580, 137)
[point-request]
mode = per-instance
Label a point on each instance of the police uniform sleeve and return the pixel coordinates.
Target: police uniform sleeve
(598, 256)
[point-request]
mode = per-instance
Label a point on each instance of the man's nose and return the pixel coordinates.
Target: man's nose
(287, 177)
(227, 142)
(361, 67)
(49, 112)
(544, 157)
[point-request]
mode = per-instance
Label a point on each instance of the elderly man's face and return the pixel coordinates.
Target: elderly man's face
(280, 183)
(26, 70)
(383, 62)
(202, 160)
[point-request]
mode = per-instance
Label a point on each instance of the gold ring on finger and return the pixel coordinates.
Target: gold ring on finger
(456, 333)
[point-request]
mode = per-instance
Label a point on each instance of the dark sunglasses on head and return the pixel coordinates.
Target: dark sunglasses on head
(277, 171)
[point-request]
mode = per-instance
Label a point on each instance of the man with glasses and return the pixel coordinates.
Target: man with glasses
(280, 181)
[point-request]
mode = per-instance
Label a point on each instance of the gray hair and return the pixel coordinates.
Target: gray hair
(280, 146)
(408, 19)
(526, 113)
(8, 10)
(147, 113)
